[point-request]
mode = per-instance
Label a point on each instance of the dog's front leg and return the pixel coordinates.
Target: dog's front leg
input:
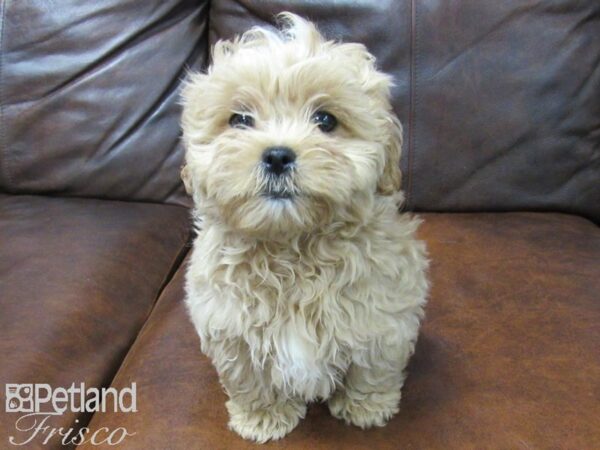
(257, 411)
(262, 419)
(370, 394)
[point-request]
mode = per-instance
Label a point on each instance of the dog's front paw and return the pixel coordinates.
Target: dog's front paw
(364, 410)
(262, 425)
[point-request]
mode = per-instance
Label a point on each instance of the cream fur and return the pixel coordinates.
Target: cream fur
(318, 296)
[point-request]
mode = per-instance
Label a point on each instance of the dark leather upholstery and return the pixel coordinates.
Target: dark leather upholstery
(77, 280)
(499, 100)
(509, 354)
(500, 107)
(90, 93)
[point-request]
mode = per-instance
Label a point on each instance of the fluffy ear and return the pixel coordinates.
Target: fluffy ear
(390, 181)
(377, 85)
(187, 179)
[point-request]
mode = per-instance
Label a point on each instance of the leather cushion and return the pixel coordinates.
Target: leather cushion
(509, 353)
(78, 278)
(89, 96)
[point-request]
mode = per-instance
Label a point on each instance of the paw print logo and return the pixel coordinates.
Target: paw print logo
(19, 397)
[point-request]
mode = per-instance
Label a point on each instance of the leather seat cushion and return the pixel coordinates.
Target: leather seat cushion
(78, 278)
(509, 353)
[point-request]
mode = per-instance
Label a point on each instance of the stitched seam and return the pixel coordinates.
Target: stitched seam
(416, 97)
(4, 177)
(412, 104)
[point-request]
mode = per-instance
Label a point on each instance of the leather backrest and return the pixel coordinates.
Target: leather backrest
(89, 95)
(500, 101)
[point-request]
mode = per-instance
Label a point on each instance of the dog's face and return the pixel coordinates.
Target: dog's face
(286, 131)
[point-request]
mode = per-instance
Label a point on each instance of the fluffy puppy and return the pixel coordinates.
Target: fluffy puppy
(305, 283)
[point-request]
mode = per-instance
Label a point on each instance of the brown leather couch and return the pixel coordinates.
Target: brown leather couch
(500, 103)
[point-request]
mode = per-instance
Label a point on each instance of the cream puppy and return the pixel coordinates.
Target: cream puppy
(305, 283)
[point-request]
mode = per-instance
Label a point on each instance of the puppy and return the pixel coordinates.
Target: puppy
(305, 283)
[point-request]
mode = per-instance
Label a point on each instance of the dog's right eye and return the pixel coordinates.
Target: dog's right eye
(241, 121)
(325, 121)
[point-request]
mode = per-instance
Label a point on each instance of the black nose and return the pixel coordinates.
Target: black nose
(278, 159)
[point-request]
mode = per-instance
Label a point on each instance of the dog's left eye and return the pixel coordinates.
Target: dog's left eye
(241, 120)
(325, 121)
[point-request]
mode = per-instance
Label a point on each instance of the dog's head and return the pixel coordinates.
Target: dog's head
(287, 132)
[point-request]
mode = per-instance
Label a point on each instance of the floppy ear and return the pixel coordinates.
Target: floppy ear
(187, 179)
(390, 181)
(377, 85)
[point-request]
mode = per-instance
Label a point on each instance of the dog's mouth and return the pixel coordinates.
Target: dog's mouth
(279, 188)
(278, 195)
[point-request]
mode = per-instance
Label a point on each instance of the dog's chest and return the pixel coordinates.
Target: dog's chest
(298, 334)
(302, 363)
(300, 314)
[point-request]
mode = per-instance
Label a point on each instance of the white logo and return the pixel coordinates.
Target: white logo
(37, 398)
(19, 397)
(39, 402)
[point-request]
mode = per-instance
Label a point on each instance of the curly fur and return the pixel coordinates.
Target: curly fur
(318, 296)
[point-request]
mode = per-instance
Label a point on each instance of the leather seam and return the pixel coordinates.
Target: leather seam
(175, 265)
(412, 103)
(4, 176)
